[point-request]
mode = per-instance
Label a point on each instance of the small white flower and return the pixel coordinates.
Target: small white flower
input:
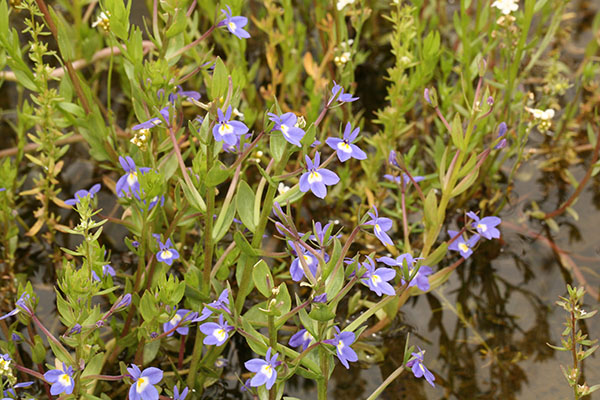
(282, 188)
(343, 3)
(541, 114)
(506, 6)
(103, 21)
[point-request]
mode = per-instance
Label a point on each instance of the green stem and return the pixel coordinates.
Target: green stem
(191, 379)
(208, 224)
(386, 383)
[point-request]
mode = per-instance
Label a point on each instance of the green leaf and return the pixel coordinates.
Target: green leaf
(38, 351)
(94, 366)
(217, 175)
(147, 307)
(430, 209)
(321, 312)
(219, 83)
(244, 246)
(178, 24)
(151, 350)
(457, 133)
(277, 145)
(263, 279)
(245, 205)
(192, 196)
(223, 223)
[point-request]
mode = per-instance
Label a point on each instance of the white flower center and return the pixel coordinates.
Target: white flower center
(175, 320)
(307, 336)
(166, 254)
(141, 384)
(377, 228)
(482, 227)
(340, 345)
(132, 178)
(225, 129)
(65, 380)
(220, 334)
(285, 130)
(463, 247)
(314, 177)
(345, 147)
(376, 279)
(232, 26)
(267, 370)
(307, 259)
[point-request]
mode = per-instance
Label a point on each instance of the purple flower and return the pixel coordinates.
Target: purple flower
(106, 270)
(61, 380)
(167, 252)
(155, 201)
(234, 24)
(221, 362)
(320, 232)
(380, 227)
(342, 97)
(180, 317)
(264, 369)
(124, 302)
(342, 342)
(75, 329)
(419, 369)
(179, 396)
(301, 338)
(344, 147)
(216, 333)
(128, 184)
(377, 279)
(317, 178)
(286, 123)
(464, 247)
(392, 159)
(20, 304)
(227, 130)
(183, 93)
(486, 227)
(404, 180)
(322, 298)
(501, 132)
(421, 279)
(2, 189)
(143, 383)
(426, 95)
(152, 122)
(296, 269)
(222, 303)
(82, 193)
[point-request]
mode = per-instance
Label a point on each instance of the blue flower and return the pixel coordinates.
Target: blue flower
(21, 304)
(286, 123)
(124, 302)
(82, 193)
(265, 370)
(216, 333)
(106, 270)
(179, 396)
(501, 132)
(377, 279)
(167, 252)
(222, 303)
(183, 93)
(486, 227)
(128, 184)
(316, 179)
(296, 269)
(404, 180)
(380, 227)
(342, 342)
(143, 383)
(180, 317)
(421, 279)
(301, 338)
(464, 247)
(342, 97)
(61, 380)
(419, 369)
(344, 147)
(234, 24)
(227, 130)
(152, 122)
